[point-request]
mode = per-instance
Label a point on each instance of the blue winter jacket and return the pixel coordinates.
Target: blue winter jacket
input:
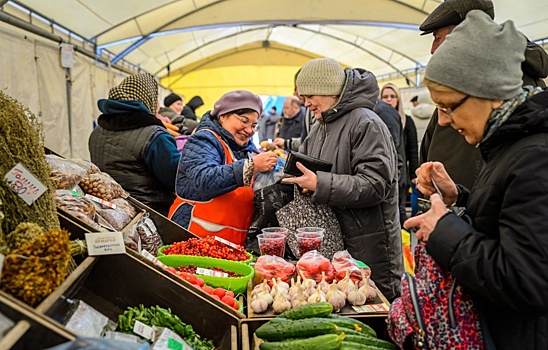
(202, 173)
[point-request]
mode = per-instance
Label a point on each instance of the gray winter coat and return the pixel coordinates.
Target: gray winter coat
(363, 185)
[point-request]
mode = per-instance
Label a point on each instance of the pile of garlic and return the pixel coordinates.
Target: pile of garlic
(303, 291)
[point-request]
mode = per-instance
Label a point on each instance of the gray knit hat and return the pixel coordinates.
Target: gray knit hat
(453, 12)
(321, 76)
(480, 58)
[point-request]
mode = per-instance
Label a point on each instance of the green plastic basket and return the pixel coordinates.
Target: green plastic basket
(235, 284)
(161, 249)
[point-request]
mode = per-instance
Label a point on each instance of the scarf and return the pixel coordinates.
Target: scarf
(501, 114)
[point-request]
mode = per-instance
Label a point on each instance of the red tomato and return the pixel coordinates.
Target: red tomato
(220, 292)
(230, 293)
(208, 290)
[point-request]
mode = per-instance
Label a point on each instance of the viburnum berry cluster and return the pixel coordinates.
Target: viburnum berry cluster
(208, 247)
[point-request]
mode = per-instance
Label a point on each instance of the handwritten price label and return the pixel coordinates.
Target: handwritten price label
(208, 272)
(26, 185)
(228, 243)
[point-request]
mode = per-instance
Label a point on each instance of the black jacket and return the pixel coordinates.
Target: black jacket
(503, 258)
(189, 111)
(291, 127)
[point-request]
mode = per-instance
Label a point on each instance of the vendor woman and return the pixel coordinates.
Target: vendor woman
(214, 195)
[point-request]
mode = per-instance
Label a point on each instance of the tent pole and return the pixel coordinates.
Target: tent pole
(68, 83)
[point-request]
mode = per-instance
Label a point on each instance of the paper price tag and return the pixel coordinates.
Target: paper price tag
(208, 272)
(101, 201)
(105, 243)
(371, 308)
(143, 330)
(26, 185)
(228, 243)
(152, 258)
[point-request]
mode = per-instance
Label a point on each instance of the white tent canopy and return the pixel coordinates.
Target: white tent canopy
(380, 35)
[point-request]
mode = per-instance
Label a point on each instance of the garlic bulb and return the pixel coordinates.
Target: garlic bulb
(356, 297)
(316, 297)
(258, 305)
(368, 291)
(274, 290)
(364, 280)
(299, 300)
(323, 285)
(266, 297)
(280, 305)
(282, 284)
(343, 284)
(293, 289)
(335, 297)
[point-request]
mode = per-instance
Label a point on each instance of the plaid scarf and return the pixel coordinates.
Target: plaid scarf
(501, 114)
(141, 87)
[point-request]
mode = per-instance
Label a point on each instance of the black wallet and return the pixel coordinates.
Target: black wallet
(311, 163)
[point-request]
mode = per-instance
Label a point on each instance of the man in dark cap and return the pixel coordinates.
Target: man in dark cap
(443, 143)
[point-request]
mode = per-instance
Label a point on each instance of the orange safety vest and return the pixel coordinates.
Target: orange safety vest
(227, 216)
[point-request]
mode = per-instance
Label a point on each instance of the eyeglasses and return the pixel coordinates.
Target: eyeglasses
(386, 97)
(449, 110)
(247, 123)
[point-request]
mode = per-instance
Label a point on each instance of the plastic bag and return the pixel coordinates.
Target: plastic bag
(100, 344)
(147, 231)
(77, 206)
(261, 180)
(85, 321)
(312, 264)
(102, 186)
(124, 205)
(342, 261)
(65, 174)
(269, 267)
(88, 166)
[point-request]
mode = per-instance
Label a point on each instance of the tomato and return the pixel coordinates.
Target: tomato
(230, 293)
(220, 292)
(208, 289)
(228, 300)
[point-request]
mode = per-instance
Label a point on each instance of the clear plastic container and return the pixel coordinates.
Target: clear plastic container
(281, 230)
(307, 241)
(272, 244)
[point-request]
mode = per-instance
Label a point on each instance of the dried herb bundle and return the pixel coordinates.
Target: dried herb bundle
(22, 141)
(32, 272)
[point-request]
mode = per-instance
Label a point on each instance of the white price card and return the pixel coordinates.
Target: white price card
(152, 258)
(228, 243)
(105, 243)
(26, 185)
(371, 308)
(143, 330)
(208, 272)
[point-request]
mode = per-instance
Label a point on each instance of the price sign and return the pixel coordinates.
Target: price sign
(143, 330)
(105, 243)
(101, 201)
(228, 243)
(208, 272)
(26, 185)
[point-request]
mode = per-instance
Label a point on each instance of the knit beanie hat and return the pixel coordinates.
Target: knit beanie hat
(480, 58)
(141, 87)
(234, 100)
(171, 99)
(453, 12)
(321, 76)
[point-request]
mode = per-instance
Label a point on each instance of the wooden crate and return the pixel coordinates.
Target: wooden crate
(31, 331)
(111, 283)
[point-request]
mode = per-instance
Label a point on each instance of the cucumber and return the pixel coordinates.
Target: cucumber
(341, 321)
(320, 342)
(295, 329)
(309, 310)
(346, 345)
(369, 341)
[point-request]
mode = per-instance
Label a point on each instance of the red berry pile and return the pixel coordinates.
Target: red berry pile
(192, 269)
(207, 247)
(273, 247)
(307, 244)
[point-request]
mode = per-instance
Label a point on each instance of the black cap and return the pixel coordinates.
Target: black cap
(171, 99)
(453, 12)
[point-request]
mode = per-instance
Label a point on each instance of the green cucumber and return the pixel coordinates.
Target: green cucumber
(346, 345)
(369, 341)
(309, 310)
(341, 321)
(320, 342)
(295, 329)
